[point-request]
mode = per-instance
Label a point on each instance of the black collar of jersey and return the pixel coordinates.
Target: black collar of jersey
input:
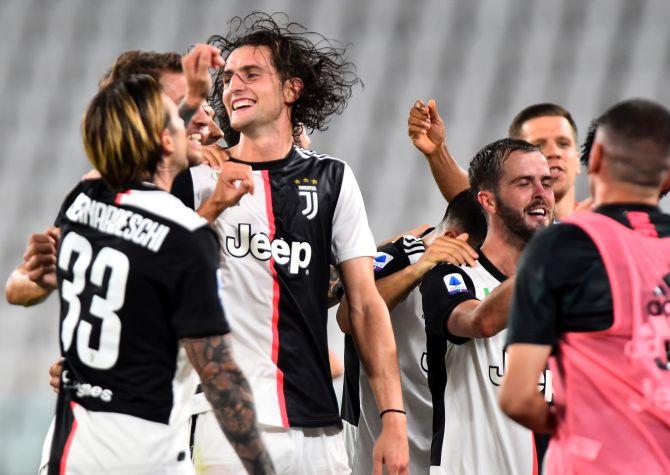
(490, 268)
(136, 185)
(271, 164)
(619, 212)
(616, 208)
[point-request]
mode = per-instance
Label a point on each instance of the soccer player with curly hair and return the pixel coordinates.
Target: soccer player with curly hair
(306, 212)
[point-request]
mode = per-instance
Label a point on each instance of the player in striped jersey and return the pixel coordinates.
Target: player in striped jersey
(29, 284)
(399, 267)
(138, 301)
(306, 212)
(465, 325)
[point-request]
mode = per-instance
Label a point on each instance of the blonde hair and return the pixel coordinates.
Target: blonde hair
(122, 130)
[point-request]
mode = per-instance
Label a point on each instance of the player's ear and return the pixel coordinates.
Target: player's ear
(595, 158)
(578, 165)
(450, 233)
(487, 200)
(167, 142)
(292, 89)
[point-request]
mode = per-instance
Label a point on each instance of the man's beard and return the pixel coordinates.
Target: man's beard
(515, 222)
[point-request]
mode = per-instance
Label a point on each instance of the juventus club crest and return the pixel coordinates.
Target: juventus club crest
(307, 190)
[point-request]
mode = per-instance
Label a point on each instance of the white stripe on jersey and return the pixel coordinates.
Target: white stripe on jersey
(247, 284)
(410, 336)
(162, 204)
(246, 295)
(304, 153)
(478, 437)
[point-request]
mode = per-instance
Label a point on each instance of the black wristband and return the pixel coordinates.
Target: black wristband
(381, 414)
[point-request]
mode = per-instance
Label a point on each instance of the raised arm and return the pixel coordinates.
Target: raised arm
(482, 319)
(35, 278)
(196, 64)
(395, 287)
(426, 129)
(229, 393)
(373, 334)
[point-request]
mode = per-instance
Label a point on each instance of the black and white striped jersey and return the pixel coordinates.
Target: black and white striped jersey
(471, 435)
(136, 272)
(359, 407)
(277, 244)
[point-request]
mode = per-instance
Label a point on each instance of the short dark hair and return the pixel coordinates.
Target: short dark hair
(486, 167)
(585, 152)
(142, 62)
(637, 141)
(545, 109)
(328, 79)
(465, 213)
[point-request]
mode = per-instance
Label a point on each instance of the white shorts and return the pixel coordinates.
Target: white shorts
(350, 432)
(111, 443)
(295, 451)
(46, 449)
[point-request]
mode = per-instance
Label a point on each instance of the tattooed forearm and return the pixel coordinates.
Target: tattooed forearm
(335, 289)
(229, 393)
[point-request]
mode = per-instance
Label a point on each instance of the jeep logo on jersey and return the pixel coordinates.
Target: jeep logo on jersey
(297, 255)
(307, 190)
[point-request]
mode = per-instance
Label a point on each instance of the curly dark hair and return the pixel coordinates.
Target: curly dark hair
(486, 167)
(328, 79)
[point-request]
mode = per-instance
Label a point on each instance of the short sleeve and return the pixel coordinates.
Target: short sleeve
(389, 259)
(58, 222)
(561, 286)
(351, 236)
(533, 312)
(198, 312)
(443, 288)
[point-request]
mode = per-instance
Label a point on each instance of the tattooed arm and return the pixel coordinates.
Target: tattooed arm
(229, 393)
(335, 288)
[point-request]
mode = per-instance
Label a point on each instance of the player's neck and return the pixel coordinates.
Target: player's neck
(616, 193)
(164, 176)
(271, 143)
(501, 251)
(566, 205)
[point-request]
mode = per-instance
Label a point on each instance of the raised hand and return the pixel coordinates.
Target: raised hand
(196, 64)
(425, 127)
